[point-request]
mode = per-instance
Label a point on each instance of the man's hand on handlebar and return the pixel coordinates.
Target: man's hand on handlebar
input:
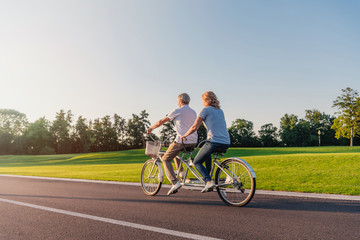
(182, 138)
(149, 130)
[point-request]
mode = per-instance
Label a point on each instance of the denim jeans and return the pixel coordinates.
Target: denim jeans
(204, 155)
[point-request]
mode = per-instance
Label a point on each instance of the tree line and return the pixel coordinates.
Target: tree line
(64, 135)
(114, 133)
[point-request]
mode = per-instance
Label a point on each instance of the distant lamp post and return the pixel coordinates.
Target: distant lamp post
(319, 132)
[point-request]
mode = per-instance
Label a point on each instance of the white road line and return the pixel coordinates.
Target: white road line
(263, 192)
(112, 221)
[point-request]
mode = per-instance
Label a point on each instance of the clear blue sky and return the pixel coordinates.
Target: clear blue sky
(262, 58)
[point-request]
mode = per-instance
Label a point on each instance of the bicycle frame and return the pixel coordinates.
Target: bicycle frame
(193, 171)
(196, 174)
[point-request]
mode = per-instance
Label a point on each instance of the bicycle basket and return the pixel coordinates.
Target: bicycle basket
(152, 148)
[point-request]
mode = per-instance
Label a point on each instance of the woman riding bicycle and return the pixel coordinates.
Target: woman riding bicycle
(218, 139)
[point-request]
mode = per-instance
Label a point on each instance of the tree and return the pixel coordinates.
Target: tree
(287, 124)
(61, 130)
(288, 121)
(38, 136)
(302, 134)
(12, 121)
(109, 135)
(242, 133)
(96, 136)
(104, 135)
(347, 123)
(320, 123)
(167, 131)
(82, 136)
(269, 135)
(6, 140)
(12, 126)
(294, 132)
(136, 128)
(120, 128)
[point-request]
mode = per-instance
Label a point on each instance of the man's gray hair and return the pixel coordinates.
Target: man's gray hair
(185, 98)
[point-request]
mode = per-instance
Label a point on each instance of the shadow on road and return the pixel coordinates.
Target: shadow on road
(304, 204)
(183, 200)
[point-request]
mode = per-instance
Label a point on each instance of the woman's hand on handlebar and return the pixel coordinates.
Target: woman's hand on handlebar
(182, 138)
(149, 130)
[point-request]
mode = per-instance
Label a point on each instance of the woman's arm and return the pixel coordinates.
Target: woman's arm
(193, 128)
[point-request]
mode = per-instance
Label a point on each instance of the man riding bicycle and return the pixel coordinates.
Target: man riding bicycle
(183, 118)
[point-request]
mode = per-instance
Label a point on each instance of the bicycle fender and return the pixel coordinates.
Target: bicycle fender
(247, 165)
(161, 177)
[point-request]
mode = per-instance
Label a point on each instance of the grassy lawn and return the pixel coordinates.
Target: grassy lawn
(314, 169)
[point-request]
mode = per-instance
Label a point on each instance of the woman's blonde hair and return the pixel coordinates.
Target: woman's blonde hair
(211, 99)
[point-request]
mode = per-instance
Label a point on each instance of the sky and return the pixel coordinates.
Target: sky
(263, 59)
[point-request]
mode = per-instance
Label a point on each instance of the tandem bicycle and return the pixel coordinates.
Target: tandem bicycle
(235, 180)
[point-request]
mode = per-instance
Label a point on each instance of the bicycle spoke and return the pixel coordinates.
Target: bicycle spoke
(150, 177)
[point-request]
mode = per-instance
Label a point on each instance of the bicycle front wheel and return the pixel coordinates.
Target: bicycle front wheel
(151, 177)
(235, 182)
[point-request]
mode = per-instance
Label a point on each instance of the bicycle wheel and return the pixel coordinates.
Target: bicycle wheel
(151, 177)
(235, 182)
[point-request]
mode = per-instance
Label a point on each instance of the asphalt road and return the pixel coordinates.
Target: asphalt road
(50, 209)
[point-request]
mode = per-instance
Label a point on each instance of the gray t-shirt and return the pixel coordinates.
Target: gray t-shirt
(184, 118)
(215, 124)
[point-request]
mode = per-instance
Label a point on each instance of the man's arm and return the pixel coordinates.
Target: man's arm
(158, 124)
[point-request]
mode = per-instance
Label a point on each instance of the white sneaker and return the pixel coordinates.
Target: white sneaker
(174, 188)
(208, 186)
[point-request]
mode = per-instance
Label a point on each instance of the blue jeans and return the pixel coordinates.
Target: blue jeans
(204, 155)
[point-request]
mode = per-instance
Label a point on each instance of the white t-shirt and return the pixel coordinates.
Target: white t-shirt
(183, 119)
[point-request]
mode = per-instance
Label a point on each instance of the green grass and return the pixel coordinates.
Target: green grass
(313, 169)
(112, 166)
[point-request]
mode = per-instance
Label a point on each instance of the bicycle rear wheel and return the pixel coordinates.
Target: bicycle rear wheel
(235, 182)
(151, 177)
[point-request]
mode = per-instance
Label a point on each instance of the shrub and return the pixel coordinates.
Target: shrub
(47, 151)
